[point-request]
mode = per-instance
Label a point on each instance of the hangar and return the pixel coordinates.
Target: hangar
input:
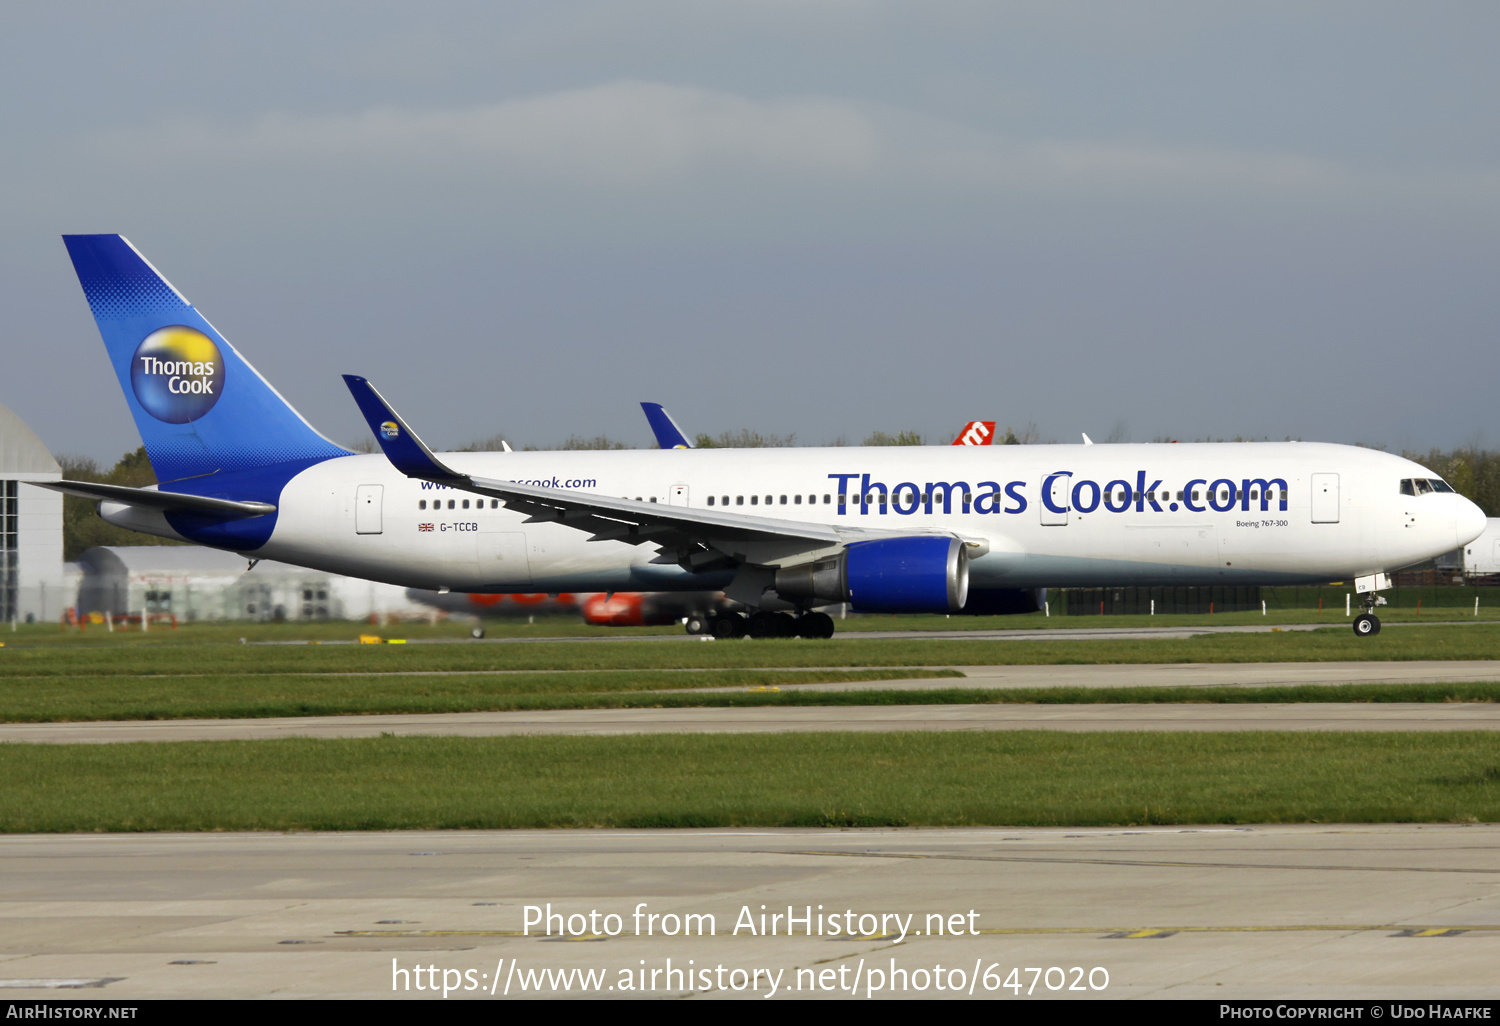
(31, 527)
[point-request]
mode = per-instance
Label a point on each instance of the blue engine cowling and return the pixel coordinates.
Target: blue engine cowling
(921, 574)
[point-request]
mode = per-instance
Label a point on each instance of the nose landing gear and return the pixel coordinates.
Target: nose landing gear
(1367, 624)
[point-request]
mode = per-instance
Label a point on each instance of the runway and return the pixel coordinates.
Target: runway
(1083, 633)
(1420, 716)
(1352, 912)
(776, 719)
(1183, 675)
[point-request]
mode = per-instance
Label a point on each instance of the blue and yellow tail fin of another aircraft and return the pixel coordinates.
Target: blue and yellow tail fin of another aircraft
(668, 434)
(198, 404)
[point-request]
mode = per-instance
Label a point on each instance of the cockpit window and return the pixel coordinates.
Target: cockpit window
(1424, 485)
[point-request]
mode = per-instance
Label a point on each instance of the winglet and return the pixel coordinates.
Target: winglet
(668, 434)
(399, 442)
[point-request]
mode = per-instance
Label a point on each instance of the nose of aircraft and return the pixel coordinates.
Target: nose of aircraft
(1468, 522)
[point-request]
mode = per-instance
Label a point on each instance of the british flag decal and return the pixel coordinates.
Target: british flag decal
(424, 527)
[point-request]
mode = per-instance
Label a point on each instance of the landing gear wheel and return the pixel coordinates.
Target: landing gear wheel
(1366, 625)
(815, 625)
(476, 632)
(697, 625)
(764, 625)
(786, 625)
(728, 625)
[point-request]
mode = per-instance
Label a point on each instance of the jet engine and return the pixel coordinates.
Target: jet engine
(919, 574)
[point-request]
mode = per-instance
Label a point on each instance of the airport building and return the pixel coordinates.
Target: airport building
(31, 527)
(190, 582)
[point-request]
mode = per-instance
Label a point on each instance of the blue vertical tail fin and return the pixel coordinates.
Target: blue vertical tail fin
(668, 434)
(198, 404)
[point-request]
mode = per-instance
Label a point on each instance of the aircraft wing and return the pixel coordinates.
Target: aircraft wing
(153, 498)
(697, 539)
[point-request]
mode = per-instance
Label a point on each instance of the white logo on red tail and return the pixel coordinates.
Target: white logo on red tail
(976, 432)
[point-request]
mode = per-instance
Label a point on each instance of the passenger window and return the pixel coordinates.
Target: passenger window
(843, 499)
(710, 500)
(739, 500)
(783, 499)
(466, 504)
(754, 499)
(494, 504)
(724, 501)
(768, 500)
(828, 495)
(422, 504)
(797, 500)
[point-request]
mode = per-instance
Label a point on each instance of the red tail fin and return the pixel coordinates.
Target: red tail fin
(976, 432)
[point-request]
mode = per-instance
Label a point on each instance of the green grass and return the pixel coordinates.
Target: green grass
(165, 698)
(57, 698)
(781, 780)
(1478, 641)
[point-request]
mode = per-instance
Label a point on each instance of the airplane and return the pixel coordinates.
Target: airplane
(694, 609)
(976, 432)
(670, 436)
(898, 529)
(993, 602)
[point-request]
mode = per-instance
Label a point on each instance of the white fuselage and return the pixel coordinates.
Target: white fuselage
(1051, 515)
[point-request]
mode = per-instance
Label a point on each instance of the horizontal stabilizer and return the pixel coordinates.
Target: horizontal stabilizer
(152, 498)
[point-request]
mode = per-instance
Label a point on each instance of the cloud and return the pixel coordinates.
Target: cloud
(623, 133)
(712, 161)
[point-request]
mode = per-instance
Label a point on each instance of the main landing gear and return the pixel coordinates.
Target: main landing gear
(771, 625)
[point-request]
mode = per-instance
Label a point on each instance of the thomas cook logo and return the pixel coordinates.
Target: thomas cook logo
(389, 431)
(177, 374)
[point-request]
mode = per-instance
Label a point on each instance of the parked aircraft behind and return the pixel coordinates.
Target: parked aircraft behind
(899, 529)
(696, 609)
(670, 436)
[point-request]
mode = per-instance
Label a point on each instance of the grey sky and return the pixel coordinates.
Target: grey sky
(1198, 220)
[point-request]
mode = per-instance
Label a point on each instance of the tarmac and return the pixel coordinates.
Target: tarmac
(1214, 912)
(1386, 716)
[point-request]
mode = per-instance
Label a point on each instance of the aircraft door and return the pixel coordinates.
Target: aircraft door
(1325, 498)
(678, 495)
(1055, 488)
(368, 501)
(502, 559)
